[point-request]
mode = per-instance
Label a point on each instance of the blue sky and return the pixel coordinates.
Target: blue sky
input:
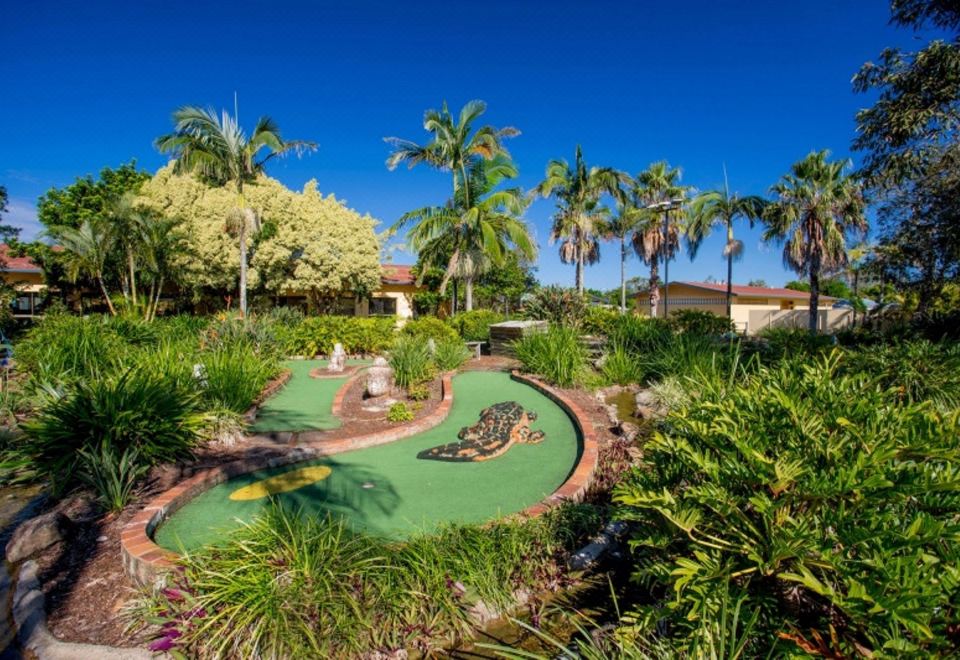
(753, 85)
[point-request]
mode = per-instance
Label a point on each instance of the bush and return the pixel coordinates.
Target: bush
(111, 474)
(399, 413)
(234, 377)
(601, 320)
(450, 354)
(475, 325)
(557, 355)
(640, 335)
(429, 327)
(63, 347)
(620, 367)
(418, 392)
(136, 409)
(295, 586)
(316, 335)
(411, 361)
(566, 307)
(696, 322)
(780, 343)
(813, 497)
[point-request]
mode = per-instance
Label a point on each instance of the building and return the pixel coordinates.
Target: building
(753, 308)
(27, 278)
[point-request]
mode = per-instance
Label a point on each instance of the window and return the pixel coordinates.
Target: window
(383, 307)
(345, 307)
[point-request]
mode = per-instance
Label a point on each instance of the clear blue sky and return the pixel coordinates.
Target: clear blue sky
(755, 85)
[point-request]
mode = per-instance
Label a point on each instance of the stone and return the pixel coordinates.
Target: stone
(379, 381)
(37, 534)
(380, 361)
(648, 406)
(431, 346)
(628, 431)
(337, 359)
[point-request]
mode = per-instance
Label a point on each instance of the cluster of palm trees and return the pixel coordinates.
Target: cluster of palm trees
(814, 209)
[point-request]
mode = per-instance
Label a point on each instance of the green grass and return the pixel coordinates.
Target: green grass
(304, 403)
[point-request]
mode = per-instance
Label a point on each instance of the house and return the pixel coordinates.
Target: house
(27, 278)
(752, 308)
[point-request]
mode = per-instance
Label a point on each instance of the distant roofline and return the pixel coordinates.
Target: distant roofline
(745, 291)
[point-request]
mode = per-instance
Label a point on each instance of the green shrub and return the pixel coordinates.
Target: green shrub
(111, 474)
(234, 377)
(475, 325)
(557, 355)
(621, 367)
(448, 355)
(411, 361)
(63, 347)
(780, 343)
(316, 335)
(418, 392)
(915, 370)
(601, 320)
(258, 331)
(296, 586)
(155, 415)
(559, 306)
(640, 335)
(697, 322)
(399, 413)
(429, 327)
(815, 497)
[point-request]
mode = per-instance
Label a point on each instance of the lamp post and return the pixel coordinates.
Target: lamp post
(666, 206)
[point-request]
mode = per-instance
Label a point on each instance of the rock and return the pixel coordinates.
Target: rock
(380, 361)
(379, 381)
(337, 359)
(628, 430)
(36, 534)
(648, 406)
(613, 415)
(431, 345)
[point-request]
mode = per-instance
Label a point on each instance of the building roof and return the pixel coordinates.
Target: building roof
(753, 291)
(397, 274)
(17, 264)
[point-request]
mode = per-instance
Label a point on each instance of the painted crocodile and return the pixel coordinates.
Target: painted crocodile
(499, 428)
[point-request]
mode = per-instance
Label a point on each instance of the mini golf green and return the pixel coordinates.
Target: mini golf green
(388, 491)
(304, 403)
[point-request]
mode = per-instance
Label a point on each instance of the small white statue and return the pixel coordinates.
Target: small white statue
(200, 374)
(337, 359)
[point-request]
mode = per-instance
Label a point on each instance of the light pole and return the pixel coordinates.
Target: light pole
(666, 206)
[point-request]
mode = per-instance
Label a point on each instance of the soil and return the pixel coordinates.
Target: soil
(86, 587)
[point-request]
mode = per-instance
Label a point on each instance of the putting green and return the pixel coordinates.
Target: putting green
(304, 403)
(388, 491)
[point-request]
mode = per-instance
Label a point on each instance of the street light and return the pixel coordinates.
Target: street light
(666, 206)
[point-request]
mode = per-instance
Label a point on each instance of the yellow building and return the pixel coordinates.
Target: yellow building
(27, 278)
(393, 298)
(753, 308)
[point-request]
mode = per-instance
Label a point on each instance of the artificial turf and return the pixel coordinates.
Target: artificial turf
(388, 491)
(303, 404)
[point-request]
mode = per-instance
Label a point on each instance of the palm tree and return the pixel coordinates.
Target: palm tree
(160, 239)
(817, 206)
(719, 207)
(659, 184)
(620, 227)
(475, 230)
(217, 149)
(86, 249)
(858, 259)
(579, 219)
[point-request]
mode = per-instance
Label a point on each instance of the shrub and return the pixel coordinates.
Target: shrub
(557, 355)
(138, 409)
(316, 335)
(601, 320)
(411, 361)
(233, 378)
(566, 307)
(639, 335)
(71, 347)
(450, 354)
(813, 496)
(399, 413)
(418, 392)
(111, 474)
(697, 322)
(779, 343)
(429, 327)
(621, 367)
(916, 371)
(475, 325)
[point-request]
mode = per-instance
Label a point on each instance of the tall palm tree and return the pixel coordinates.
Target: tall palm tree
(620, 227)
(817, 205)
(86, 250)
(658, 184)
(475, 230)
(720, 207)
(579, 219)
(217, 149)
(160, 239)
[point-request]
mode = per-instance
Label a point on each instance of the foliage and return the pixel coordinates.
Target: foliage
(836, 287)
(449, 354)
(235, 375)
(560, 306)
(475, 325)
(411, 361)
(112, 477)
(780, 343)
(697, 322)
(620, 366)
(399, 413)
(316, 335)
(503, 288)
(600, 320)
(66, 347)
(815, 496)
(429, 327)
(291, 585)
(418, 392)
(133, 409)
(556, 355)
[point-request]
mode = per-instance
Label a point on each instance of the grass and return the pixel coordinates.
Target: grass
(556, 355)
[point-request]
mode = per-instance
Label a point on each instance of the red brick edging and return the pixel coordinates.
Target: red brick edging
(145, 561)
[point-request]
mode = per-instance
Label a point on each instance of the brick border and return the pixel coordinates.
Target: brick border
(144, 561)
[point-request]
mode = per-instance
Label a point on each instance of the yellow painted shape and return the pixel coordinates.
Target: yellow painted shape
(282, 483)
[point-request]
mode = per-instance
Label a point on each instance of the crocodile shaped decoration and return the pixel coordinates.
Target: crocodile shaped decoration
(499, 428)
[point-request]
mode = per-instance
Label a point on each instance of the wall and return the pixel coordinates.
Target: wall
(829, 320)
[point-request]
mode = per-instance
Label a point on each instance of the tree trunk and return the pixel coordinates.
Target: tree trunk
(578, 278)
(468, 293)
(243, 266)
(133, 279)
(730, 270)
(156, 300)
(856, 294)
(623, 275)
(814, 296)
(453, 304)
(148, 308)
(654, 287)
(106, 296)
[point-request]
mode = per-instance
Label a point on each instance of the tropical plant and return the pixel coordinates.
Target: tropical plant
(162, 241)
(475, 325)
(450, 354)
(619, 366)
(720, 207)
(469, 232)
(86, 250)
(399, 412)
(579, 216)
(657, 191)
(557, 305)
(234, 376)
(428, 327)
(111, 473)
(217, 149)
(621, 226)
(697, 322)
(556, 355)
(816, 208)
(411, 361)
(317, 335)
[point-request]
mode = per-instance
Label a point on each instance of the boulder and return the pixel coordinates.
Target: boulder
(37, 534)
(379, 381)
(628, 430)
(337, 359)
(648, 406)
(380, 361)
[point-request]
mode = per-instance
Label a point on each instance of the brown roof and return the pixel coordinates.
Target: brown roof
(753, 291)
(17, 264)
(397, 274)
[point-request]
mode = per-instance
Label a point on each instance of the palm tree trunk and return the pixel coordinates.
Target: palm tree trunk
(730, 270)
(578, 277)
(106, 296)
(856, 293)
(623, 274)
(468, 293)
(654, 286)
(148, 307)
(156, 300)
(133, 280)
(243, 267)
(814, 296)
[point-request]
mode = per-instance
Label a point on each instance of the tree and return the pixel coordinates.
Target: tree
(162, 243)
(620, 227)
(720, 207)
(219, 151)
(475, 230)
(86, 249)
(759, 282)
(579, 219)
(817, 206)
(658, 184)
